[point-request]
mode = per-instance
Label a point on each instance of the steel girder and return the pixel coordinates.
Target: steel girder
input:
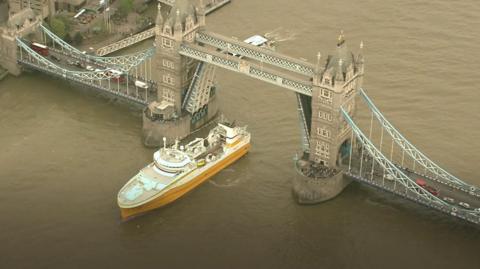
(257, 53)
(401, 178)
(123, 63)
(244, 66)
(89, 75)
(303, 125)
(417, 155)
(126, 42)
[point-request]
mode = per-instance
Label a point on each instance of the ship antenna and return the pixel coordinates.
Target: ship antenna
(164, 142)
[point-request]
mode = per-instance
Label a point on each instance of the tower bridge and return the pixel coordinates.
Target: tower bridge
(178, 92)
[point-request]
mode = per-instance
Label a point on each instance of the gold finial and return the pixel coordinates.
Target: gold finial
(341, 38)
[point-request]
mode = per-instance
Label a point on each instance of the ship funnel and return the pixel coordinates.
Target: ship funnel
(231, 134)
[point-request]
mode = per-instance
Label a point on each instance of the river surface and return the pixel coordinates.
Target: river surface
(65, 153)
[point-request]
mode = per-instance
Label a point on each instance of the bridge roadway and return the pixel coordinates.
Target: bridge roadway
(247, 67)
(124, 90)
(444, 191)
(259, 54)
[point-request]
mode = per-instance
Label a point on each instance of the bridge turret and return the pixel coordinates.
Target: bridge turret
(159, 20)
(20, 24)
(173, 72)
(321, 168)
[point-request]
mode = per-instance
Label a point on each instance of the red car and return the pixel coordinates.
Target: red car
(431, 190)
(420, 182)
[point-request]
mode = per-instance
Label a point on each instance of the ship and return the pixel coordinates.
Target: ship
(176, 170)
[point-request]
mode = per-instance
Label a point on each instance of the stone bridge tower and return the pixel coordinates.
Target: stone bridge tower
(24, 23)
(320, 174)
(173, 73)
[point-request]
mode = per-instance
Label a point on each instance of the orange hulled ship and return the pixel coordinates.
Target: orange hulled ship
(179, 169)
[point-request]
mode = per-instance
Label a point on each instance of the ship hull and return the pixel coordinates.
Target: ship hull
(179, 191)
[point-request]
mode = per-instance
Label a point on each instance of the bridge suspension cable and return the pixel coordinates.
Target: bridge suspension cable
(122, 63)
(408, 187)
(413, 152)
(84, 77)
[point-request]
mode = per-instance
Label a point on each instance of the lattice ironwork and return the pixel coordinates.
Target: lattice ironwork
(303, 125)
(123, 63)
(126, 42)
(35, 60)
(244, 66)
(420, 158)
(257, 53)
(412, 190)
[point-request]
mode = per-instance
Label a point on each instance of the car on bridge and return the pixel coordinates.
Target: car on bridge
(422, 183)
(465, 205)
(431, 190)
(39, 48)
(448, 200)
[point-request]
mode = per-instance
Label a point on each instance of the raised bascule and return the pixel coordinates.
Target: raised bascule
(174, 83)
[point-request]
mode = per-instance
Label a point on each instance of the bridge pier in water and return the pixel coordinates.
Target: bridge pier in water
(319, 170)
(186, 97)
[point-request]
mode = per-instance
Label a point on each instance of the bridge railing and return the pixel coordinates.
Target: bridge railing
(126, 42)
(123, 63)
(257, 53)
(412, 190)
(440, 174)
(28, 56)
(243, 66)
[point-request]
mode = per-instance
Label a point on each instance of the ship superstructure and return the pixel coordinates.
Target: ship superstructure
(178, 169)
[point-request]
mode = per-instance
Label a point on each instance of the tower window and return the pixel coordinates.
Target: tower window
(325, 116)
(167, 78)
(323, 132)
(168, 63)
(322, 150)
(167, 43)
(168, 95)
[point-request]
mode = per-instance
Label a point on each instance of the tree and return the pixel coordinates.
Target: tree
(58, 27)
(68, 38)
(125, 7)
(77, 38)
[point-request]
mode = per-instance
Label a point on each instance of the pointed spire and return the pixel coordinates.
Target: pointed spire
(178, 27)
(341, 39)
(201, 13)
(317, 67)
(159, 20)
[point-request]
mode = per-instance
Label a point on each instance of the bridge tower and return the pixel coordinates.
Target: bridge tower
(168, 116)
(319, 171)
(24, 23)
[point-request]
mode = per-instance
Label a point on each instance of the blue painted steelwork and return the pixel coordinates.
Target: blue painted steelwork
(420, 158)
(412, 190)
(123, 63)
(35, 60)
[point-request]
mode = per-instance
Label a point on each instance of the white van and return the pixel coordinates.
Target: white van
(256, 40)
(141, 84)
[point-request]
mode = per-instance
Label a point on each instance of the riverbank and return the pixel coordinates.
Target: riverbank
(3, 73)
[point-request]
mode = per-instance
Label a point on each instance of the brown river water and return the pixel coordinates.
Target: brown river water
(65, 153)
